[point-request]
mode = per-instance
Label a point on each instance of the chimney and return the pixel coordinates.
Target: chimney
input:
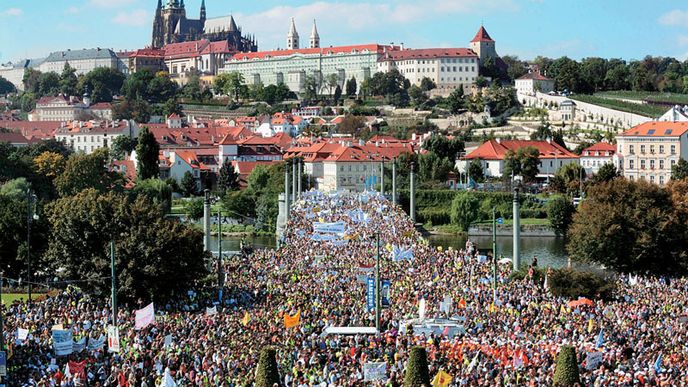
(401, 46)
(499, 140)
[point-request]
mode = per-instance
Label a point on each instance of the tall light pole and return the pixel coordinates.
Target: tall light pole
(219, 256)
(113, 282)
(394, 180)
(206, 220)
(300, 178)
(30, 215)
(377, 284)
(412, 186)
(294, 172)
(516, 230)
(494, 254)
(286, 191)
(2, 324)
(382, 176)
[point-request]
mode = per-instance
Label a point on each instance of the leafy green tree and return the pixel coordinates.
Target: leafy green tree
(147, 154)
(475, 171)
(136, 85)
(267, 373)
(192, 89)
(102, 83)
(13, 209)
(617, 77)
(241, 203)
(455, 100)
(417, 95)
(515, 68)
(28, 102)
(525, 163)
(351, 87)
(679, 171)
(84, 171)
(310, 88)
(427, 84)
(161, 88)
(331, 82)
(16, 188)
(480, 81)
(566, 373)
(30, 80)
(231, 84)
(6, 86)
(416, 373)
(171, 106)
(193, 209)
(157, 259)
(607, 172)
(392, 85)
(157, 191)
(443, 146)
(560, 212)
(122, 146)
(567, 179)
(188, 185)
(138, 110)
(629, 227)
(68, 80)
(228, 179)
(50, 164)
(464, 210)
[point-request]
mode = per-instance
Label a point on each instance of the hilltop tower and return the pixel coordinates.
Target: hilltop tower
(483, 45)
(315, 38)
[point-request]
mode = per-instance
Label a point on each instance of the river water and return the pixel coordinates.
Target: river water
(550, 251)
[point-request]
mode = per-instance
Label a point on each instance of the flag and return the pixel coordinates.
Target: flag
(600, 339)
(168, 381)
(442, 379)
(113, 339)
(591, 325)
(462, 304)
(211, 311)
(435, 277)
(145, 316)
(246, 319)
(292, 321)
(78, 369)
(421, 309)
(658, 364)
(473, 362)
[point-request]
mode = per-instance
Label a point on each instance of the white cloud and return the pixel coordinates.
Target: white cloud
(110, 3)
(675, 17)
(72, 10)
(339, 18)
(135, 18)
(12, 12)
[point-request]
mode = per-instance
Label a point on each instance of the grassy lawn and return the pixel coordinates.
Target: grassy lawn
(675, 98)
(630, 107)
(11, 297)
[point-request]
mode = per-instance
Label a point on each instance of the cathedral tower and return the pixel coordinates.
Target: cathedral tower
(203, 15)
(315, 38)
(292, 37)
(157, 27)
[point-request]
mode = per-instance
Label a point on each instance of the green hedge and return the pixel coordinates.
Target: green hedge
(436, 216)
(570, 283)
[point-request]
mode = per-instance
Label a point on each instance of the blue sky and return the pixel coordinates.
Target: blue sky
(627, 29)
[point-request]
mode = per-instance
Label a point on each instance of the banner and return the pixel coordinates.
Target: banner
(96, 344)
(399, 254)
(145, 316)
(329, 228)
(370, 294)
(446, 305)
(292, 321)
(22, 334)
(79, 346)
(113, 339)
(62, 342)
(78, 369)
(385, 286)
(168, 341)
(593, 360)
(374, 371)
(246, 319)
(211, 311)
(442, 379)
(421, 308)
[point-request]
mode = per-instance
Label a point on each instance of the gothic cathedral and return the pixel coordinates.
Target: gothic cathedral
(170, 25)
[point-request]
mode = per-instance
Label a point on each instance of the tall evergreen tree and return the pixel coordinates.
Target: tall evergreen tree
(68, 80)
(229, 178)
(147, 152)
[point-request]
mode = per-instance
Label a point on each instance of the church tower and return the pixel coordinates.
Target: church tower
(203, 15)
(292, 37)
(158, 40)
(483, 45)
(315, 38)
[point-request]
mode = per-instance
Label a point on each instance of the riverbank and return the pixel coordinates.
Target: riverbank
(529, 228)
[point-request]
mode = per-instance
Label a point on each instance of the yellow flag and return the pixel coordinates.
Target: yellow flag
(442, 379)
(388, 247)
(292, 321)
(246, 319)
(492, 308)
(562, 310)
(591, 326)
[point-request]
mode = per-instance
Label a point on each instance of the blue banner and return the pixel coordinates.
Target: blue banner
(384, 293)
(370, 295)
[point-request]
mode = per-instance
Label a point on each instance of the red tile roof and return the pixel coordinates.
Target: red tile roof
(148, 52)
(536, 76)
(127, 168)
(600, 147)
(308, 51)
(482, 36)
(101, 106)
(13, 138)
(221, 47)
(341, 152)
(657, 129)
(496, 150)
(429, 53)
(37, 129)
(185, 49)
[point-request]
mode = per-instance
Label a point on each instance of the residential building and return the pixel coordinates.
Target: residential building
(14, 72)
(83, 61)
(491, 155)
(283, 123)
(170, 25)
(151, 59)
(203, 57)
(14, 138)
(449, 68)
(675, 114)
(567, 110)
(61, 108)
(597, 155)
(88, 136)
(649, 150)
(533, 82)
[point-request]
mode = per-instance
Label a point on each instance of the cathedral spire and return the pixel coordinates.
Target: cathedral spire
(292, 37)
(315, 38)
(232, 24)
(203, 10)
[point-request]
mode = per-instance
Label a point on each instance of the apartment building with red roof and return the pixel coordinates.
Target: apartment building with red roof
(649, 150)
(491, 155)
(533, 82)
(595, 156)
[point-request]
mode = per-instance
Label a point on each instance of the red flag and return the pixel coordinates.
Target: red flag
(78, 369)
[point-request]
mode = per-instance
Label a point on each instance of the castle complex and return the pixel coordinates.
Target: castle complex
(170, 25)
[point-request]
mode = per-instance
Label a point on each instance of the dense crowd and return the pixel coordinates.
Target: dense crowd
(510, 337)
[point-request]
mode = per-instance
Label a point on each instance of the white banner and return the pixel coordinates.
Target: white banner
(145, 316)
(374, 371)
(421, 309)
(329, 228)
(211, 311)
(62, 342)
(79, 346)
(446, 305)
(168, 341)
(22, 334)
(113, 339)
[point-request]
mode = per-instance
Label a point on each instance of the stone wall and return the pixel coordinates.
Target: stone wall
(507, 230)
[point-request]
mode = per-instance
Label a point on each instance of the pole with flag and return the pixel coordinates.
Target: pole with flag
(600, 339)
(377, 285)
(658, 364)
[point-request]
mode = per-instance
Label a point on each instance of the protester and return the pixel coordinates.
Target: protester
(317, 280)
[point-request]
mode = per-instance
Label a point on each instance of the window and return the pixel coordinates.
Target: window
(630, 164)
(642, 164)
(652, 149)
(661, 180)
(642, 149)
(652, 164)
(652, 178)
(661, 149)
(673, 162)
(631, 149)
(631, 178)
(673, 149)
(661, 164)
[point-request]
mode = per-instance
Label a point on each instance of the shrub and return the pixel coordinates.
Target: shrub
(560, 214)
(417, 373)
(572, 284)
(267, 373)
(437, 216)
(566, 373)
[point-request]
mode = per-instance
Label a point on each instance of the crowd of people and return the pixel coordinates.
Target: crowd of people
(316, 279)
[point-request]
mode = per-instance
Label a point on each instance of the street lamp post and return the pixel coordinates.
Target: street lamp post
(494, 254)
(219, 256)
(394, 180)
(30, 200)
(113, 283)
(377, 284)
